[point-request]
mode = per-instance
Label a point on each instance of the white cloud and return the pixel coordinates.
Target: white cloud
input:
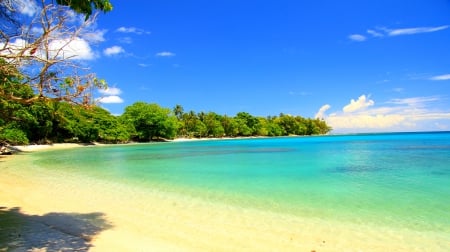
(357, 37)
(357, 122)
(125, 40)
(415, 30)
(113, 50)
(415, 101)
(95, 36)
(441, 77)
(110, 91)
(383, 31)
(321, 113)
(405, 114)
(362, 103)
(26, 7)
(143, 65)
(111, 95)
(110, 99)
(165, 54)
(132, 30)
(76, 48)
(375, 33)
(13, 47)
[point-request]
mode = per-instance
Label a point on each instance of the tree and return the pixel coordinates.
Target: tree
(14, 117)
(248, 123)
(178, 111)
(192, 125)
(43, 50)
(230, 126)
(213, 125)
(111, 130)
(150, 121)
(87, 6)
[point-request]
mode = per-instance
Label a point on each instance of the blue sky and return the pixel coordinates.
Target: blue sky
(363, 66)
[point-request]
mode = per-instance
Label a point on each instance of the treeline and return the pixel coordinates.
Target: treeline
(55, 122)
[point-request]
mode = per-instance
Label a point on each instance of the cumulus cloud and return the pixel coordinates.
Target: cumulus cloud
(95, 36)
(26, 7)
(113, 50)
(321, 113)
(110, 99)
(70, 48)
(441, 77)
(110, 95)
(110, 91)
(357, 37)
(13, 47)
(362, 121)
(76, 48)
(165, 54)
(362, 103)
(414, 113)
(60, 44)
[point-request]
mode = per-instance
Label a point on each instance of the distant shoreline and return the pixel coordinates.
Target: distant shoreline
(62, 146)
(59, 146)
(41, 147)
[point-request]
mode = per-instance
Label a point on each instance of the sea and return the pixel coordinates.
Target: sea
(395, 180)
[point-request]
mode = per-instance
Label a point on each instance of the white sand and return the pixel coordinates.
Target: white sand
(41, 147)
(161, 221)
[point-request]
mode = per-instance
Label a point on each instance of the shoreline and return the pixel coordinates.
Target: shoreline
(63, 146)
(42, 147)
(59, 146)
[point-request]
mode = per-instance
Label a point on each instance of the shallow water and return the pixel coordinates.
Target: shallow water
(391, 180)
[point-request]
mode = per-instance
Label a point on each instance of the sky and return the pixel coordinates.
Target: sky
(362, 66)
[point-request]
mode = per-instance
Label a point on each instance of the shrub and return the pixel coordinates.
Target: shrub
(13, 136)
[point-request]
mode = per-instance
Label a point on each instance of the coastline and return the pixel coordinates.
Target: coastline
(63, 146)
(42, 147)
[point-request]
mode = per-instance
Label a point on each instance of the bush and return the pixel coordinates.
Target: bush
(14, 136)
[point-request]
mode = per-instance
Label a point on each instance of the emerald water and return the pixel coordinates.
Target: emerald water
(400, 179)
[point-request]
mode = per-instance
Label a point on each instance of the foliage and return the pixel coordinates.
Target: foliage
(13, 136)
(150, 121)
(87, 6)
(210, 124)
(42, 48)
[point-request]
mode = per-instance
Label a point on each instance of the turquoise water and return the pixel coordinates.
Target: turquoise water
(400, 180)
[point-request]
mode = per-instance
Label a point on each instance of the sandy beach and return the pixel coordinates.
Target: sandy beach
(53, 212)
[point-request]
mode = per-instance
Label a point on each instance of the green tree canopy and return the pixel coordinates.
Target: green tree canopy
(150, 121)
(86, 7)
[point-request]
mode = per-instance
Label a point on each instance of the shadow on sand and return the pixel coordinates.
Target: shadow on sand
(50, 232)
